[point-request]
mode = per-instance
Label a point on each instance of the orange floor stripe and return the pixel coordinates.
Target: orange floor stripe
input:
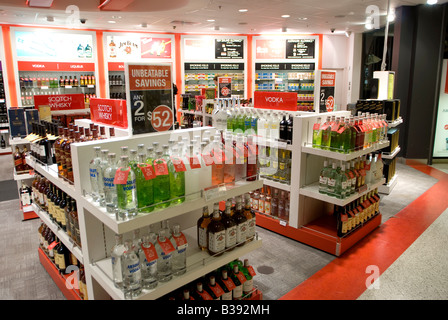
(345, 277)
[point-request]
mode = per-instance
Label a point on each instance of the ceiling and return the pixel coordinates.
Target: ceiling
(190, 16)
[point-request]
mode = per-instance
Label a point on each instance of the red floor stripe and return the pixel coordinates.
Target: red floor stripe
(345, 277)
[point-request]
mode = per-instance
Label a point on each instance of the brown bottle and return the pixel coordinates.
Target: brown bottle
(63, 166)
(203, 223)
(94, 134)
(241, 222)
(68, 156)
(23, 155)
(34, 186)
(67, 211)
(41, 194)
(216, 233)
(57, 147)
(111, 132)
(18, 162)
(75, 224)
(102, 133)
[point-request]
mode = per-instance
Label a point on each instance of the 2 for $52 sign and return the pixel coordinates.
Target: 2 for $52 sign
(150, 97)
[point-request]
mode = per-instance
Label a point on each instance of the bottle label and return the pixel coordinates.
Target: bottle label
(208, 159)
(194, 162)
(230, 285)
(217, 290)
(181, 242)
(147, 171)
(18, 162)
(331, 182)
(133, 268)
(167, 246)
(217, 241)
(241, 231)
(255, 204)
(26, 200)
(108, 182)
(240, 277)
(93, 173)
(202, 237)
(267, 207)
(248, 286)
(160, 167)
(61, 261)
(121, 176)
(178, 164)
(323, 180)
(150, 253)
(230, 237)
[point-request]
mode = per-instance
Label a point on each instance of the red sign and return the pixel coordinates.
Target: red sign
(156, 48)
(112, 112)
(275, 100)
(60, 101)
(328, 79)
(224, 87)
(55, 66)
(329, 104)
(115, 66)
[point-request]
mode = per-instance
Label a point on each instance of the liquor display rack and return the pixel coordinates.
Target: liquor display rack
(310, 219)
(98, 228)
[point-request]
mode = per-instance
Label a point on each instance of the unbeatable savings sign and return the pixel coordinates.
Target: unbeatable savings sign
(150, 97)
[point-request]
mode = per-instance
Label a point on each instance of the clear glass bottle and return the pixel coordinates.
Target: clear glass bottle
(241, 159)
(94, 167)
(148, 261)
(110, 190)
(179, 260)
(164, 250)
(117, 255)
(229, 168)
(132, 276)
(323, 179)
(102, 166)
(219, 163)
(126, 191)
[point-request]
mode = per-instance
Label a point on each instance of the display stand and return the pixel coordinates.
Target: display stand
(98, 228)
(310, 219)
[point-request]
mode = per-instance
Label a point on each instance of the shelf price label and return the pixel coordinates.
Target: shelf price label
(150, 97)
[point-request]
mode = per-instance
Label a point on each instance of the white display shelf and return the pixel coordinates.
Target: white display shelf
(277, 185)
(23, 176)
(344, 156)
(396, 123)
(121, 227)
(391, 155)
(70, 112)
(198, 263)
(51, 173)
(312, 191)
(61, 234)
(18, 141)
(387, 188)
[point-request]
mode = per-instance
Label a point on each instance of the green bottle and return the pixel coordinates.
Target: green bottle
(133, 160)
(341, 183)
(177, 179)
(126, 192)
(331, 182)
(335, 139)
(145, 188)
(323, 179)
(161, 183)
(326, 135)
(317, 134)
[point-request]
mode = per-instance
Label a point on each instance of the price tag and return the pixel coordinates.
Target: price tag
(179, 165)
(147, 170)
(344, 217)
(121, 176)
(251, 271)
(205, 295)
(52, 245)
(150, 253)
(316, 126)
(160, 167)
(217, 290)
(241, 277)
(229, 283)
(181, 242)
(194, 162)
(208, 159)
(167, 246)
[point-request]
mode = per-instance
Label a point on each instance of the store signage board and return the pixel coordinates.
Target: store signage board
(270, 49)
(229, 49)
(224, 87)
(440, 149)
(213, 66)
(112, 112)
(327, 90)
(136, 48)
(58, 102)
(199, 49)
(56, 66)
(286, 101)
(149, 92)
(300, 48)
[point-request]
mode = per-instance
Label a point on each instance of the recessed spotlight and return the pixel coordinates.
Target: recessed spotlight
(243, 10)
(116, 17)
(285, 16)
(210, 20)
(302, 18)
(112, 21)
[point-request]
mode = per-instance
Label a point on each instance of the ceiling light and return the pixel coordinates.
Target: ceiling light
(302, 18)
(285, 16)
(431, 2)
(112, 21)
(211, 20)
(243, 10)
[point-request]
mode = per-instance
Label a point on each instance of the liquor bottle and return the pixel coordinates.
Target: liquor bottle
(203, 223)
(230, 227)
(116, 258)
(250, 217)
(25, 195)
(67, 163)
(274, 203)
(216, 233)
(241, 222)
(41, 145)
(213, 288)
(148, 262)
(229, 168)
(126, 190)
(341, 183)
(18, 161)
(62, 222)
(176, 176)
(267, 201)
(200, 294)
(260, 197)
(331, 181)
(317, 134)
(179, 260)
(132, 276)
(283, 128)
(252, 159)
(326, 134)
(162, 181)
(66, 213)
(94, 168)
(218, 161)
(62, 255)
(323, 179)
(75, 224)
(82, 283)
(110, 189)
(164, 250)
(289, 128)
(249, 273)
(238, 279)
(42, 186)
(226, 284)
(144, 185)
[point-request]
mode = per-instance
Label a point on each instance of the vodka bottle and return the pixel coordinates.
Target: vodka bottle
(126, 190)
(261, 125)
(148, 262)
(177, 177)
(179, 260)
(230, 226)
(136, 241)
(110, 190)
(335, 140)
(317, 134)
(164, 250)
(206, 173)
(331, 182)
(133, 159)
(161, 182)
(252, 159)
(103, 165)
(132, 277)
(274, 127)
(145, 189)
(117, 255)
(94, 167)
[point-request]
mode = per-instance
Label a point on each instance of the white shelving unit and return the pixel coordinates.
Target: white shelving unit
(97, 227)
(310, 219)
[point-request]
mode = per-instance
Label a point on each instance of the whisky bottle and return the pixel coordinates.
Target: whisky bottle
(241, 222)
(203, 223)
(226, 284)
(230, 227)
(216, 233)
(250, 217)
